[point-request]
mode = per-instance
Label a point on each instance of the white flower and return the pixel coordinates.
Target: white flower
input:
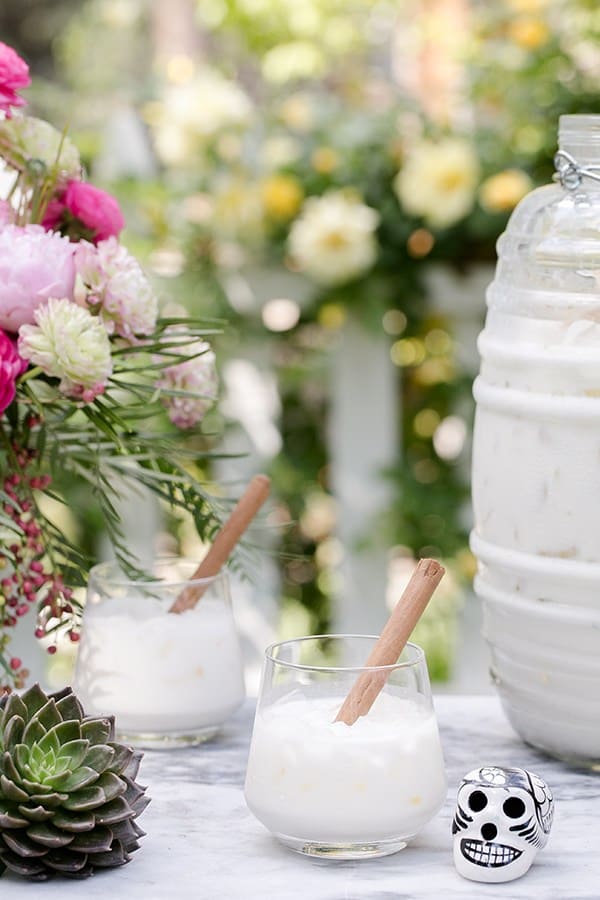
(197, 110)
(67, 342)
(438, 181)
(113, 284)
(197, 378)
(34, 139)
(333, 239)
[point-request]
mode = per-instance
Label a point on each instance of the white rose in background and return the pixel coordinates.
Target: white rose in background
(438, 181)
(111, 282)
(67, 342)
(194, 112)
(333, 239)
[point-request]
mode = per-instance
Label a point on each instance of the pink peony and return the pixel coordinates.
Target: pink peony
(96, 210)
(14, 74)
(11, 366)
(34, 265)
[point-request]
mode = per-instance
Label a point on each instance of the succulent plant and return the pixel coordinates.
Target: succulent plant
(68, 795)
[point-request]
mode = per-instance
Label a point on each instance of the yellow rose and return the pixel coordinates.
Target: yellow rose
(529, 32)
(324, 160)
(282, 196)
(502, 192)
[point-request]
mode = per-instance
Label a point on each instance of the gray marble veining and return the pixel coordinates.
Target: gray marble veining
(203, 844)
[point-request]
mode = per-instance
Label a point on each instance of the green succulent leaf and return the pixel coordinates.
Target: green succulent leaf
(34, 732)
(101, 757)
(56, 782)
(34, 699)
(14, 707)
(122, 758)
(112, 785)
(13, 733)
(48, 715)
(9, 819)
(30, 868)
(50, 801)
(20, 755)
(96, 841)
(97, 731)
(48, 835)
(10, 790)
(116, 811)
(116, 856)
(74, 822)
(74, 752)
(35, 813)
(83, 777)
(50, 742)
(20, 844)
(87, 798)
(69, 863)
(69, 707)
(67, 731)
(10, 770)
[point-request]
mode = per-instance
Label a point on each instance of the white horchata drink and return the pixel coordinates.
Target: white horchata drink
(313, 779)
(159, 673)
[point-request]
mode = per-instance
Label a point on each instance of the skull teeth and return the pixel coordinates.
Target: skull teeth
(484, 853)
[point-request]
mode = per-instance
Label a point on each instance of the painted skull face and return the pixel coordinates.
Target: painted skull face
(503, 817)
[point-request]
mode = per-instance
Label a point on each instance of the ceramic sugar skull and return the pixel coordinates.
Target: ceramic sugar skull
(502, 818)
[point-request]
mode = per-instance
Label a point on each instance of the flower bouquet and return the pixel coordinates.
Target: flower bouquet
(96, 387)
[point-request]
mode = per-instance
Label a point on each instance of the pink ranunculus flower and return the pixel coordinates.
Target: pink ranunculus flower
(97, 211)
(14, 75)
(34, 265)
(11, 366)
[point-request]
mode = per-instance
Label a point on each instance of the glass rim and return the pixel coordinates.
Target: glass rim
(120, 579)
(419, 655)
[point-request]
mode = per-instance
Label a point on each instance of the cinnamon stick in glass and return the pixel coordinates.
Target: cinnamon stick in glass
(392, 640)
(248, 505)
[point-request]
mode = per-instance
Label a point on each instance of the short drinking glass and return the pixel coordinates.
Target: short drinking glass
(329, 789)
(169, 678)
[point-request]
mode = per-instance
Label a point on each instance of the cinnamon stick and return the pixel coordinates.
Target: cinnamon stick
(391, 641)
(248, 505)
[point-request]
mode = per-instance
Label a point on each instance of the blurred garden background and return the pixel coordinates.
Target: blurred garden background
(327, 178)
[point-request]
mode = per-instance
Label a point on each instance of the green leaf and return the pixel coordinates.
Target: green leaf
(13, 733)
(14, 707)
(50, 741)
(69, 707)
(66, 732)
(74, 752)
(85, 799)
(112, 785)
(48, 715)
(20, 845)
(74, 822)
(122, 758)
(79, 779)
(116, 811)
(9, 818)
(34, 732)
(11, 792)
(100, 757)
(21, 755)
(97, 731)
(49, 836)
(34, 699)
(35, 813)
(96, 841)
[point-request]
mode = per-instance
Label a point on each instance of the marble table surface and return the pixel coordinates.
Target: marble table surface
(203, 844)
